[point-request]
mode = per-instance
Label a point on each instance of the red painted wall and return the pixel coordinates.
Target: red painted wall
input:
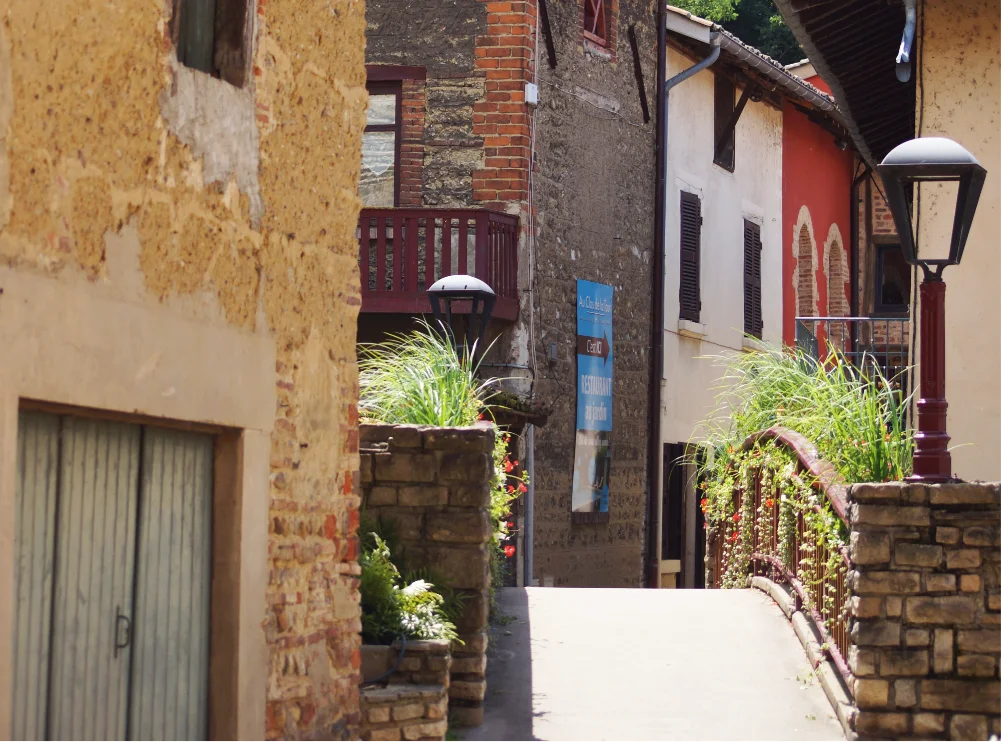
(816, 174)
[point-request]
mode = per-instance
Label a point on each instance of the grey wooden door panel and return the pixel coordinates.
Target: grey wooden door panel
(170, 664)
(112, 580)
(99, 474)
(35, 520)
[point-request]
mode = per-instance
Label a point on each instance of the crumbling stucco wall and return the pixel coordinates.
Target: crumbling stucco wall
(131, 180)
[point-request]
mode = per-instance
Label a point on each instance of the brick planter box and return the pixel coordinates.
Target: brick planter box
(433, 486)
(413, 703)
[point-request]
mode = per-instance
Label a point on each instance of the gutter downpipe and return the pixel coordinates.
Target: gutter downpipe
(658, 281)
(854, 243)
(530, 504)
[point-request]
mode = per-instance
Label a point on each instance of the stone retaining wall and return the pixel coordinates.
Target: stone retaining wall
(433, 486)
(924, 610)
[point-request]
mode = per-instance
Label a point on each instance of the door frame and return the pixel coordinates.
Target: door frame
(170, 369)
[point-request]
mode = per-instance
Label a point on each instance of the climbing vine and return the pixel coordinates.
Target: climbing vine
(756, 500)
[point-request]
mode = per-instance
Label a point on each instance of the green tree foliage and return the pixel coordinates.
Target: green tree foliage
(755, 22)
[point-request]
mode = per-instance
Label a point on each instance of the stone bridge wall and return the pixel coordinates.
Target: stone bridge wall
(924, 610)
(433, 486)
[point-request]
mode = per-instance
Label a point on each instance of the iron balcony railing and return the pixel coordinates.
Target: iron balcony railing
(881, 340)
(404, 251)
(865, 342)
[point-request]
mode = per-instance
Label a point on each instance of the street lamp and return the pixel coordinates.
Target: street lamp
(905, 168)
(452, 296)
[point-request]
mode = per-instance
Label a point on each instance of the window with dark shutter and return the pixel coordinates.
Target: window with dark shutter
(691, 225)
(723, 108)
(753, 279)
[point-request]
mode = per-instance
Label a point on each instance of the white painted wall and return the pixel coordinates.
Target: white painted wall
(754, 191)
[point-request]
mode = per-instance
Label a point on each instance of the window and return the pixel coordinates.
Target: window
(894, 281)
(212, 36)
(723, 109)
(691, 224)
(753, 279)
(595, 22)
(378, 185)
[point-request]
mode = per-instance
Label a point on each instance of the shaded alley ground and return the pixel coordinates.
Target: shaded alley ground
(619, 664)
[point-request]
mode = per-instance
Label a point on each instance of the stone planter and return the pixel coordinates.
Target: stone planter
(413, 703)
(433, 486)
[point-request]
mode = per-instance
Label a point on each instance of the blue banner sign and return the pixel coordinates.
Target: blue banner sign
(592, 453)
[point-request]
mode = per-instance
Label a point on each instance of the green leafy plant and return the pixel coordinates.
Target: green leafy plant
(390, 610)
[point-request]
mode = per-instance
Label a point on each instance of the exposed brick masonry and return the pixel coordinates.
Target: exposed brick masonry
(924, 610)
(412, 105)
(505, 56)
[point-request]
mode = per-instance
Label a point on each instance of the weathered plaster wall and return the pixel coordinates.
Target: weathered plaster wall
(958, 97)
(594, 201)
(144, 191)
(753, 191)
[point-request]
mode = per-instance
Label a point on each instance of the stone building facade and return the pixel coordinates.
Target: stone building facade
(177, 262)
(577, 169)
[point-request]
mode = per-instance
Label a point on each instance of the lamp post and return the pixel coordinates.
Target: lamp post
(905, 168)
(448, 297)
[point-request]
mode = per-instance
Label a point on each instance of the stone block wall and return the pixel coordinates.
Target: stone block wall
(924, 611)
(432, 487)
(414, 704)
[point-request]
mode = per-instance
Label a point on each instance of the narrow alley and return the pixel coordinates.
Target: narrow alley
(595, 664)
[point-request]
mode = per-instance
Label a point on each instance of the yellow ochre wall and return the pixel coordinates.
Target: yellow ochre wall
(958, 97)
(174, 247)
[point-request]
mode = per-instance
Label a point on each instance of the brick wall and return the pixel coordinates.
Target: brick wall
(504, 55)
(412, 114)
(924, 610)
(433, 485)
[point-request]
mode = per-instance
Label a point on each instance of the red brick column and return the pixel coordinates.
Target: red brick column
(412, 104)
(505, 56)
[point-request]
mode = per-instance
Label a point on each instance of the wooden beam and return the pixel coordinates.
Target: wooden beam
(638, 72)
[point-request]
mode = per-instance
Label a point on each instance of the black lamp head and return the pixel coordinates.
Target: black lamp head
(454, 291)
(931, 159)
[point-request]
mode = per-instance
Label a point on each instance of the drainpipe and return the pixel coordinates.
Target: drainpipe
(854, 241)
(658, 282)
(530, 502)
(903, 66)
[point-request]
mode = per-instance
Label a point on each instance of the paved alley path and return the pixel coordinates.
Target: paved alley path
(609, 664)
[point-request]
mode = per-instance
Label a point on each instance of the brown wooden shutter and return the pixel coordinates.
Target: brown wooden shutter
(691, 225)
(753, 279)
(723, 108)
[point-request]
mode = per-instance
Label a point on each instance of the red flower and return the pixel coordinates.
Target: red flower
(510, 489)
(510, 524)
(508, 466)
(509, 551)
(733, 537)
(522, 487)
(769, 502)
(736, 517)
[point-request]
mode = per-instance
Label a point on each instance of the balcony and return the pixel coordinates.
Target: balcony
(402, 252)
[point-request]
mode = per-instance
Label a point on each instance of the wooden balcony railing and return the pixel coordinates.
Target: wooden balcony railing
(797, 554)
(404, 251)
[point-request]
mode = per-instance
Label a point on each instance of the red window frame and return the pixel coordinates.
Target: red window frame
(595, 22)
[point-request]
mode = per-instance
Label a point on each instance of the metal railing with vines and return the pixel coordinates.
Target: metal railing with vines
(788, 524)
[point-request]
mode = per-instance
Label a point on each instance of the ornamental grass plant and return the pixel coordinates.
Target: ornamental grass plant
(855, 418)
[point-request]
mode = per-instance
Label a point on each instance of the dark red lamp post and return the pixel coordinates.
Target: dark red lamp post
(906, 167)
(460, 295)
